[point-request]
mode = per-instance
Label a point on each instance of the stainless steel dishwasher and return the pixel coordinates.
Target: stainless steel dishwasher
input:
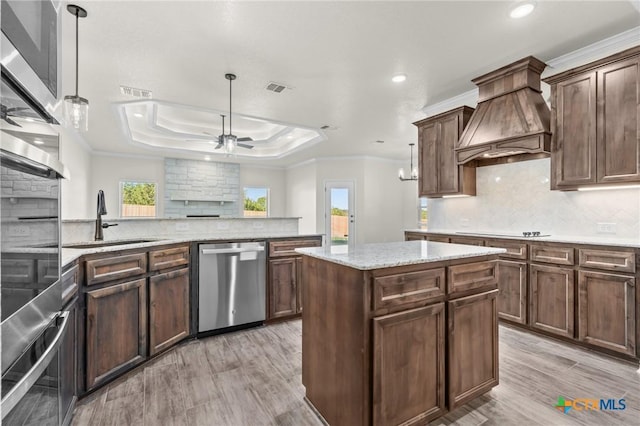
(231, 289)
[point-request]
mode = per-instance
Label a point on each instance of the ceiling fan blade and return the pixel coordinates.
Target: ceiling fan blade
(244, 145)
(15, 109)
(245, 139)
(10, 121)
(218, 146)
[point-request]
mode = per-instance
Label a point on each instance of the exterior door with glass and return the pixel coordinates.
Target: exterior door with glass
(339, 212)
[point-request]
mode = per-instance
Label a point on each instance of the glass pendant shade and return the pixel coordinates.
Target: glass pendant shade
(412, 170)
(230, 144)
(414, 173)
(76, 112)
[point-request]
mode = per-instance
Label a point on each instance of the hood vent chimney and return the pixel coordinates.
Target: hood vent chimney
(511, 117)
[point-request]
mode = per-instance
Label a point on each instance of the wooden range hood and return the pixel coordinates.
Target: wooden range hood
(511, 118)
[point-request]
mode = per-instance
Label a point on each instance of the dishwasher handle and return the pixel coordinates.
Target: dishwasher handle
(232, 250)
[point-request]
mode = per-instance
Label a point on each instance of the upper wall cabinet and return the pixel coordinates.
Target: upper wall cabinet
(439, 171)
(595, 120)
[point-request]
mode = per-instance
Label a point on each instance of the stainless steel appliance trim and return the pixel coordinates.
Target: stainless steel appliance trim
(26, 324)
(32, 157)
(21, 71)
(232, 250)
(22, 387)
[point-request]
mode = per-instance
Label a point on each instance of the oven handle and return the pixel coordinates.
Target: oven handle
(16, 393)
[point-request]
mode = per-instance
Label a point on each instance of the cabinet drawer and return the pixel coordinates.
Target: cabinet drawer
(622, 261)
(438, 239)
(472, 276)
(18, 271)
(414, 236)
(69, 282)
(47, 271)
(467, 241)
(113, 268)
(168, 258)
(515, 250)
(402, 289)
(552, 254)
(287, 248)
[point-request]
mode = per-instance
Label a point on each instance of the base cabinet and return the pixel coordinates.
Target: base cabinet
(116, 330)
(283, 277)
(408, 381)
(168, 309)
(472, 347)
(512, 298)
(607, 311)
(551, 300)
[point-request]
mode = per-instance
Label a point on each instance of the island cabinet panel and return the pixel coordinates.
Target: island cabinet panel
(468, 277)
(573, 152)
(409, 381)
(283, 277)
(472, 346)
(168, 309)
(607, 311)
(410, 287)
(115, 267)
(116, 330)
(618, 125)
(512, 286)
(551, 300)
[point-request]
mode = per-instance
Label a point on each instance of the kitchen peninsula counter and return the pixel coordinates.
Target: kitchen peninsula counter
(398, 332)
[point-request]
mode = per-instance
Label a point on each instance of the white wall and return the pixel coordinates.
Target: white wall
(75, 154)
(108, 170)
(301, 197)
(266, 177)
(516, 197)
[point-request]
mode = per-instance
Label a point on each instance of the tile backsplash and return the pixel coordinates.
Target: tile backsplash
(516, 197)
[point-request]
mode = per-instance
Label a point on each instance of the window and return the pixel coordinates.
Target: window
(422, 213)
(138, 199)
(256, 202)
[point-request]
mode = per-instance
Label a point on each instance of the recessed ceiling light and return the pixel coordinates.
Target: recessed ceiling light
(521, 9)
(207, 158)
(138, 115)
(38, 142)
(399, 78)
(29, 119)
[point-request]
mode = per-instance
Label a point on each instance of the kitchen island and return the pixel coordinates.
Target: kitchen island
(398, 333)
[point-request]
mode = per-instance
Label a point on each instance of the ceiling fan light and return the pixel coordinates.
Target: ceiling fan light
(230, 144)
(522, 8)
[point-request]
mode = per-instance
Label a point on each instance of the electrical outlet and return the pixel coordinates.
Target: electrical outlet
(606, 228)
(19, 231)
(182, 226)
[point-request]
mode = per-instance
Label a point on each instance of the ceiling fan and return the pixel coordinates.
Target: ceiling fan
(222, 138)
(6, 113)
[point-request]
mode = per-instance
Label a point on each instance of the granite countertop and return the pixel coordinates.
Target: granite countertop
(70, 254)
(568, 239)
(385, 255)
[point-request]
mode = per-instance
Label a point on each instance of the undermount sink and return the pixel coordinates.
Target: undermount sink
(96, 244)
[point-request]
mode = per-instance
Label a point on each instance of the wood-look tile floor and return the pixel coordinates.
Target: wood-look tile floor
(253, 377)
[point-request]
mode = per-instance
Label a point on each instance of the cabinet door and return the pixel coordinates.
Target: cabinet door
(428, 136)
(512, 284)
(116, 330)
(607, 311)
(408, 380)
(448, 179)
(619, 122)
(282, 287)
(573, 151)
(551, 299)
(299, 283)
(473, 347)
(168, 309)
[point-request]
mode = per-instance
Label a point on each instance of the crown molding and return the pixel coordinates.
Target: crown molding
(127, 155)
(469, 98)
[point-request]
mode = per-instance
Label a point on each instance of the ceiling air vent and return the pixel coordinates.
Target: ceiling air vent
(138, 93)
(276, 87)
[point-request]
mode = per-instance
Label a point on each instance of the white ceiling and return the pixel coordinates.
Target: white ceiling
(338, 58)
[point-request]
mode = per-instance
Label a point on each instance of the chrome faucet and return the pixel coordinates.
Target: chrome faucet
(101, 209)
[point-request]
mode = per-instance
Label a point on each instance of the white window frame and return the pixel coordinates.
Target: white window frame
(268, 199)
(121, 196)
(421, 224)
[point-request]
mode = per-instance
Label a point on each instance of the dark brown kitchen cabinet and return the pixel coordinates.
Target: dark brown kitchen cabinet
(409, 381)
(595, 120)
(116, 330)
(512, 286)
(439, 172)
(168, 309)
(283, 277)
(473, 347)
(551, 299)
(607, 311)
(414, 236)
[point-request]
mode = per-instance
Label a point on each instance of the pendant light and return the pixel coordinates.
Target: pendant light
(76, 108)
(413, 170)
(230, 140)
